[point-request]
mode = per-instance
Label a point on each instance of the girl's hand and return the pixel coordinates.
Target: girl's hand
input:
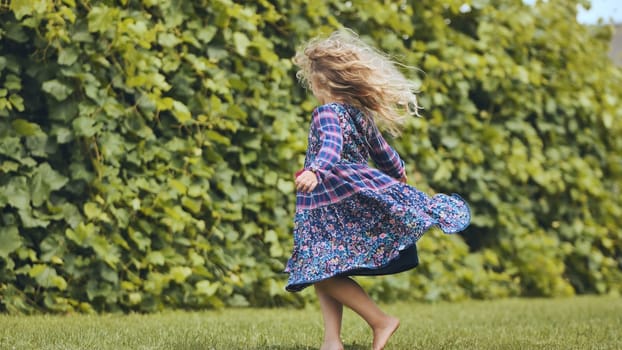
(306, 181)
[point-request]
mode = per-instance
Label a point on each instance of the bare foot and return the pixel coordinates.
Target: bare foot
(332, 346)
(384, 332)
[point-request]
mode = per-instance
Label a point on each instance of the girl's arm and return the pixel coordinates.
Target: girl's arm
(384, 156)
(326, 122)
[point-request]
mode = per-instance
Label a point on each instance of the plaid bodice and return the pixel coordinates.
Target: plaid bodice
(341, 142)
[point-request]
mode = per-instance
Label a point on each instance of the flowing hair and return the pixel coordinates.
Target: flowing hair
(353, 72)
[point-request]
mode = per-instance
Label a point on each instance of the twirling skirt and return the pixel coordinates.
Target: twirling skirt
(369, 233)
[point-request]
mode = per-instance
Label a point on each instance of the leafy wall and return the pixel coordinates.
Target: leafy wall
(147, 149)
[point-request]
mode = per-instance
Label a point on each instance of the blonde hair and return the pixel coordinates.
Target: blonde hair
(353, 72)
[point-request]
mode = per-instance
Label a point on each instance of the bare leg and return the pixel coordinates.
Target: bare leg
(332, 313)
(349, 293)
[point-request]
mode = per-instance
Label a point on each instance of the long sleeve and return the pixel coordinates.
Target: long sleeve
(383, 155)
(326, 123)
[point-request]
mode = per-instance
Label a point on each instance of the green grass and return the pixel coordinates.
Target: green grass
(575, 323)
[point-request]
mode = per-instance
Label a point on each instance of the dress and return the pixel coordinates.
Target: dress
(360, 220)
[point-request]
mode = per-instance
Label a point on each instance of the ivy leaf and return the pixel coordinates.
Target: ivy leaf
(193, 205)
(271, 237)
(13, 82)
(168, 40)
(25, 128)
(180, 273)
(52, 248)
(285, 186)
(82, 234)
(17, 192)
(135, 298)
(276, 250)
(112, 146)
(45, 180)
(248, 157)
(207, 288)
(8, 166)
(10, 240)
(63, 112)
(155, 258)
(241, 42)
(68, 56)
(29, 220)
(15, 32)
(38, 145)
(57, 89)
(102, 18)
(608, 120)
(105, 250)
(450, 141)
(109, 275)
(17, 102)
(63, 135)
(181, 112)
(11, 147)
(213, 135)
(205, 34)
(216, 53)
(92, 211)
(47, 277)
(141, 241)
(85, 126)
(22, 8)
(71, 215)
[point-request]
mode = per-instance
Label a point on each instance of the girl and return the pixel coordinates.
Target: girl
(351, 218)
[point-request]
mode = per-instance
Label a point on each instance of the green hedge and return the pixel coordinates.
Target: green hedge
(147, 149)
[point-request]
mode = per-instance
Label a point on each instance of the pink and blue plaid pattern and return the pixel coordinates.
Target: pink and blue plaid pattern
(343, 172)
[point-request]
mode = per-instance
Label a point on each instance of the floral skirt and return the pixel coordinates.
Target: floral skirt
(369, 233)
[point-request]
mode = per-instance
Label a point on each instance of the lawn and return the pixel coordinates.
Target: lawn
(574, 323)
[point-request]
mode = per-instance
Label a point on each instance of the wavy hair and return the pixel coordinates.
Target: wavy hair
(353, 72)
